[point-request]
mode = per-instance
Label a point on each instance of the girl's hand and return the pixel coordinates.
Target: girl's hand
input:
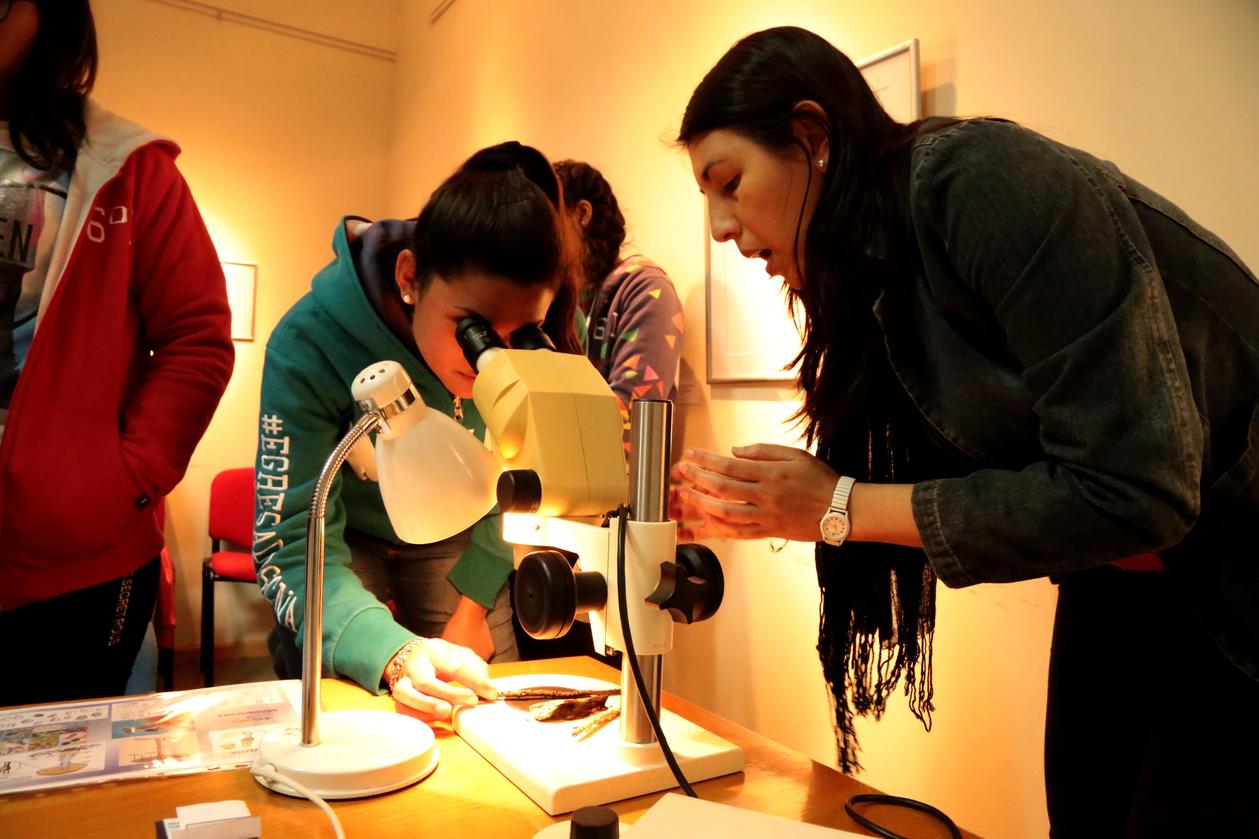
(430, 672)
(763, 491)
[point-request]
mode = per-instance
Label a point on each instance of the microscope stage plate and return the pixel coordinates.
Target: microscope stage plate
(561, 773)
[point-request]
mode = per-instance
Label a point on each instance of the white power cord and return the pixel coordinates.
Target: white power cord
(269, 772)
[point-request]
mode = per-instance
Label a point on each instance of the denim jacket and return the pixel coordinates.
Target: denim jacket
(1092, 354)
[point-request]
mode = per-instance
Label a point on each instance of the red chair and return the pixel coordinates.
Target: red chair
(231, 525)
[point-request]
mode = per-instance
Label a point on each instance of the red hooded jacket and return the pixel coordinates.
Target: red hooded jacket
(128, 362)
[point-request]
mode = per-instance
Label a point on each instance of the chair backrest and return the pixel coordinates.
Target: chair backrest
(232, 506)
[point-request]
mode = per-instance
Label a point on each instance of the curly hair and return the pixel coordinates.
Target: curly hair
(604, 235)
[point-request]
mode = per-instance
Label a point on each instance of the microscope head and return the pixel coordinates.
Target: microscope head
(554, 421)
(557, 429)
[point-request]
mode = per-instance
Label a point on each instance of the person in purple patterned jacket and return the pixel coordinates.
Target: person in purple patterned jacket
(633, 314)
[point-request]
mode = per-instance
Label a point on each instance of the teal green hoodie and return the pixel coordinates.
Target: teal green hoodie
(329, 335)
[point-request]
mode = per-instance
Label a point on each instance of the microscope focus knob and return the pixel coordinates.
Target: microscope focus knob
(595, 823)
(692, 588)
(549, 594)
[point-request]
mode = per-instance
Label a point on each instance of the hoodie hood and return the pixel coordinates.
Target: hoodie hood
(375, 249)
(343, 293)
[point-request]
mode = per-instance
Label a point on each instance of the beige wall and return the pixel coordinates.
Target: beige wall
(280, 137)
(1163, 88)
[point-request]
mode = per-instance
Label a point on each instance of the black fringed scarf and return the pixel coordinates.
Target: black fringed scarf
(878, 601)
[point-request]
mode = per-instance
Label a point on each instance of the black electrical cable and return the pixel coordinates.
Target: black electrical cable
(623, 515)
(895, 801)
(849, 805)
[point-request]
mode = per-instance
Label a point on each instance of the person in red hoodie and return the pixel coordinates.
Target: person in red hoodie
(115, 348)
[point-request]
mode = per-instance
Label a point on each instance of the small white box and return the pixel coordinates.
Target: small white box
(213, 820)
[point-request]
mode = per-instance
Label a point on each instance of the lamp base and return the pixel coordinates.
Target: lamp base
(359, 753)
(561, 773)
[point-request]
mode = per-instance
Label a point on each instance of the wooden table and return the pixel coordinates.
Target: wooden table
(464, 797)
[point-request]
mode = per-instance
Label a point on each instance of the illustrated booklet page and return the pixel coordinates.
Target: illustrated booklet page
(45, 746)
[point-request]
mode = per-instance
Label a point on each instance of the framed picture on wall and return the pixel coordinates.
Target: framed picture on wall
(893, 76)
(752, 337)
(242, 280)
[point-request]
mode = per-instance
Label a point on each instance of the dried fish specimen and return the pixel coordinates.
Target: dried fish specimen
(543, 692)
(589, 726)
(573, 708)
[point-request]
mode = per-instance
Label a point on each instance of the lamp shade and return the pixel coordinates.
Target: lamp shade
(436, 478)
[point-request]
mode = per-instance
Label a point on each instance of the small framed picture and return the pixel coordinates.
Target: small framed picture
(893, 76)
(751, 335)
(242, 282)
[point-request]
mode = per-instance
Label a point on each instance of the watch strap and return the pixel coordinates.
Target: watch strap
(843, 489)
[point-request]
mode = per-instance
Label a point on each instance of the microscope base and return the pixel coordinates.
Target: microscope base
(561, 773)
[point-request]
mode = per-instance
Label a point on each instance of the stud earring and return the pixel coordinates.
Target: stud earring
(821, 164)
(407, 298)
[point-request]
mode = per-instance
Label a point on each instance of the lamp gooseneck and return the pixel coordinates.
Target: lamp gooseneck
(312, 622)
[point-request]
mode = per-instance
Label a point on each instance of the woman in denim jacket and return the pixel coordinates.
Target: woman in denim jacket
(1017, 362)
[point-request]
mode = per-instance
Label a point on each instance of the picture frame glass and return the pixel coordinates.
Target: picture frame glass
(241, 278)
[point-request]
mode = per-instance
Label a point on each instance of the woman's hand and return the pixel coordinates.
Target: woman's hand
(432, 668)
(763, 491)
(468, 627)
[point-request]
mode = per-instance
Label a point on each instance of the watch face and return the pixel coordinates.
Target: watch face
(834, 527)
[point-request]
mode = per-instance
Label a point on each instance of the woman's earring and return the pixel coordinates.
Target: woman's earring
(821, 165)
(407, 298)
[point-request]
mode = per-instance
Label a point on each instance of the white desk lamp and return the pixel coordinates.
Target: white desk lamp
(349, 754)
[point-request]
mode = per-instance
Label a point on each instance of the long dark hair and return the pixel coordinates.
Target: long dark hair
(502, 213)
(50, 89)
(854, 236)
(878, 601)
(605, 233)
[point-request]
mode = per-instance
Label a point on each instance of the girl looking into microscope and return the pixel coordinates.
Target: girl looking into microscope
(491, 241)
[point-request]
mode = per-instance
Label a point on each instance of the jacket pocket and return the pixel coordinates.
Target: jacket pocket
(69, 491)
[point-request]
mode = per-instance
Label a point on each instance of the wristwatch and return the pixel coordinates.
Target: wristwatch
(834, 523)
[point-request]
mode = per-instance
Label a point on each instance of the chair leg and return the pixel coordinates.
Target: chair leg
(166, 667)
(166, 635)
(207, 624)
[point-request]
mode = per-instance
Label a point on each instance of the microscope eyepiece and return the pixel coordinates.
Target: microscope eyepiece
(531, 337)
(475, 336)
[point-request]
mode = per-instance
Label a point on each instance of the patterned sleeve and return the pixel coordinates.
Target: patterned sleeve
(642, 352)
